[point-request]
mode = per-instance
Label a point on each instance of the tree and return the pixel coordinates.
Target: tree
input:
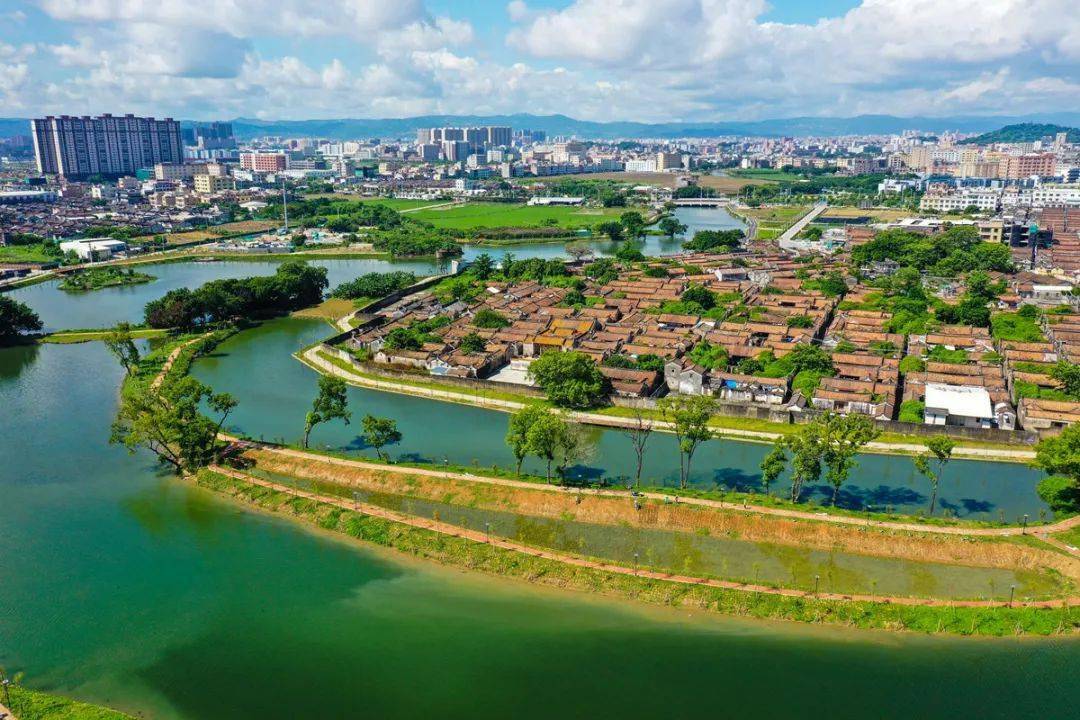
(706, 240)
(176, 309)
(379, 432)
(471, 344)
(331, 403)
(573, 445)
(633, 222)
(1068, 376)
(1060, 457)
(811, 357)
(578, 251)
(773, 465)
(489, 319)
(119, 342)
(827, 444)
(844, 436)
(482, 266)
(701, 295)
(611, 228)
(690, 416)
(639, 434)
(16, 318)
(543, 438)
(374, 285)
(570, 379)
(627, 253)
(168, 421)
(806, 448)
(517, 435)
(671, 226)
(940, 450)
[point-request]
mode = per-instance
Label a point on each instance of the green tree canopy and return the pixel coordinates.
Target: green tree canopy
(1060, 457)
(331, 403)
(570, 379)
(16, 318)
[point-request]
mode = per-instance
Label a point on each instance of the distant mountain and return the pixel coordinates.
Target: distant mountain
(10, 127)
(567, 126)
(1024, 132)
(355, 128)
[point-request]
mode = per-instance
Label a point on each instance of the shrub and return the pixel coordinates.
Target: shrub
(488, 319)
(912, 411)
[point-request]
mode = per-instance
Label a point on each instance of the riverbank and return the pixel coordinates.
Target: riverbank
(723, 426)
(474, 550)
(29, 704)
(744, 503)
(80, 336)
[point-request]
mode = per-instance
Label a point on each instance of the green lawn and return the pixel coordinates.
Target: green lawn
(398, 204)
(25, 254)
(765, 174)
(490, 215)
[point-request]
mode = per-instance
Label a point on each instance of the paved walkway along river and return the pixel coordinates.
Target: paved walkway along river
(480, 537)
(1039, 530)
(312, 358)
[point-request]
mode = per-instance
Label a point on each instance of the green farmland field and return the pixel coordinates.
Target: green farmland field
(490, 215)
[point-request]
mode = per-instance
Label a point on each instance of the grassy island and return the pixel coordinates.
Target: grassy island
(99, 278)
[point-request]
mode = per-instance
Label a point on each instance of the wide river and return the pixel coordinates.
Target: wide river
(124, 586)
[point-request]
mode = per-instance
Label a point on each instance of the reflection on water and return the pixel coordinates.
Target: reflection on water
(104, 308)
(123, 586)
(275, 392)
(703, 555)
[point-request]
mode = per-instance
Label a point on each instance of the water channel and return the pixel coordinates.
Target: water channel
(124, 586)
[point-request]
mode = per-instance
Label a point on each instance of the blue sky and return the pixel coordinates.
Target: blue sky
(651, 60)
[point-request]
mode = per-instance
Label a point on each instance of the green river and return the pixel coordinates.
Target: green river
(124, 586)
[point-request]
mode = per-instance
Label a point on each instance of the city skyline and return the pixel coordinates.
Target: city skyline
(689, 60)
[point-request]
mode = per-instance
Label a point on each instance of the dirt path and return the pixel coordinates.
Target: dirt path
(1039, 530)
(320, 364)
(479, 537)
(160, 377)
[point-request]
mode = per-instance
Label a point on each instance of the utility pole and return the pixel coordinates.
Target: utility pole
(285, 202)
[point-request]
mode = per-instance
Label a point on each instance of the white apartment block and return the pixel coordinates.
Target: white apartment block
(960, 201)
(1051, 195)
(648, 165)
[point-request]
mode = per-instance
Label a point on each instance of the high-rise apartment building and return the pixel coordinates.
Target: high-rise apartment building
(80, 146)
(478, 138)
(455, 150)
(668, 161)
(499, 136)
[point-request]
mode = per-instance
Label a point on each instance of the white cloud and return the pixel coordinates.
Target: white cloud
(599, 59)
(247, 18)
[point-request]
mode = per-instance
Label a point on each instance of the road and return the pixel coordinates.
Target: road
(313, 359)
(794, 230)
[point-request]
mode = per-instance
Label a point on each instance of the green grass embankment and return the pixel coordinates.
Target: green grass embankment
(460, 552)
(29, 704)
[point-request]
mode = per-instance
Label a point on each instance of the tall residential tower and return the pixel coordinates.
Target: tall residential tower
(80, 146)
